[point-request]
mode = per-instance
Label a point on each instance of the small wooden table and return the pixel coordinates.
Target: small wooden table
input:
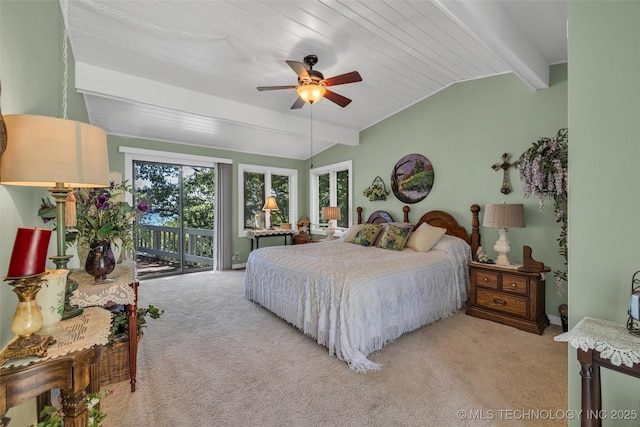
(621, 348)
(121, 288)
(72, 365)
(255, 235)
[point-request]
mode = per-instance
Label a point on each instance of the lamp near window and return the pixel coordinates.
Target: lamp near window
(60, 155)
(331, 213)
(269, 205)
(503, 216)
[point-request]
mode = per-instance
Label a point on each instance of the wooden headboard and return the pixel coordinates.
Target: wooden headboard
(379, 217)
(445, 220)
(437, 219)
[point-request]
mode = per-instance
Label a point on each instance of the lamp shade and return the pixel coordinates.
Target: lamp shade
(503, 215)
(42, 151)
(311, 92)
(331, 213)
(270, 204)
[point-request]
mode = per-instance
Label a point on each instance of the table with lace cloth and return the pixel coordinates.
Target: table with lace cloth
(70, 364)
(121, 287)
(601, 343)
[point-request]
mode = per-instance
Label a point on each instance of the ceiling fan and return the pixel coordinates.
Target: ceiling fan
(312, 86)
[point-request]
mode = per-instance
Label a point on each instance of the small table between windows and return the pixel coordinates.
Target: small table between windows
(255, 235)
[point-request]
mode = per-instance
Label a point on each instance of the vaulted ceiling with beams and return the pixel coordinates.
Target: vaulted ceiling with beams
(187, 71)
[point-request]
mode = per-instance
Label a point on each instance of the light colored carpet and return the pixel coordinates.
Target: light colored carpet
(217, 359)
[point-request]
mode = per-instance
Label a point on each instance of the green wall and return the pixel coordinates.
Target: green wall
(463, 130)
(604, 109)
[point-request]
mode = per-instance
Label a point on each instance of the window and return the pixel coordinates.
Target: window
(331, 186)
(256, 183)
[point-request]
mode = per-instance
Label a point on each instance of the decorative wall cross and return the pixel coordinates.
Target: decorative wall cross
(505, 165)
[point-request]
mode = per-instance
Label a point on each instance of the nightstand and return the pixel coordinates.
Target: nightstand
(508, 296)
(302, 238)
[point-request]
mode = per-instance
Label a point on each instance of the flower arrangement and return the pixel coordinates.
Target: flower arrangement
(543, 169)
(53, 417)
(103, 214)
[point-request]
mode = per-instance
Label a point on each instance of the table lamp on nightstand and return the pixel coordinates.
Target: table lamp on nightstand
(331, 213)
(503, 216)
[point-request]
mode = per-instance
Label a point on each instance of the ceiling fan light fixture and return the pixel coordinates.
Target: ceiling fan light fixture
(311, 92)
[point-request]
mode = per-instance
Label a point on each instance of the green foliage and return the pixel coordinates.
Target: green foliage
(421, 181)
(104, 214)
(120, 321)
(50, 416)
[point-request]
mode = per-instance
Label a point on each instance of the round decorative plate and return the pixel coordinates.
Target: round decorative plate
(412, 178)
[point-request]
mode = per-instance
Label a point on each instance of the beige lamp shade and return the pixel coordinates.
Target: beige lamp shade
(42, 151)
(502, 215)
(270, 204)
(331, 213)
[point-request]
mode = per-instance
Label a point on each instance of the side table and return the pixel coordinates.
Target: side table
(508, 296)
(255, 235)
(71, 364)
(601, 343)
(120, 288)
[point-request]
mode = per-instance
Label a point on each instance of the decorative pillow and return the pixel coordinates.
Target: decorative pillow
(383, 226)
(425, 237)
(394, 237)
(351, 233)
(367, 234)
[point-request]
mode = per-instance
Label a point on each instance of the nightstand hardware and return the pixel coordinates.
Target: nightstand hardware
(499, 301)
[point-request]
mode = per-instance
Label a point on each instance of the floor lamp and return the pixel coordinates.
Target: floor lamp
(60, 155)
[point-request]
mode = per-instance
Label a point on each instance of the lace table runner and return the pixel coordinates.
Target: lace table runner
(274, 232)
(611, 339)
(90, 328)
(116, 289)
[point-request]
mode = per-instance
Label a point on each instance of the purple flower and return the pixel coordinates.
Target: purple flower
(102, 201)
(143, 206)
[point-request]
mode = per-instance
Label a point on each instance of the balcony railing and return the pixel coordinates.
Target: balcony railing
(164, 242)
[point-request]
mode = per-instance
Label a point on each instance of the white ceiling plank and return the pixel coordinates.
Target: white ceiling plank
(490, 23)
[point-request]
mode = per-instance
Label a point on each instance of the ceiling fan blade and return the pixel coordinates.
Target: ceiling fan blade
(351, 77)
(299, 69)
(261, 88)
(298, 104)
(338, 99)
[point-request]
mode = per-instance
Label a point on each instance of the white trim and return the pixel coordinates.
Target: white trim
(170, 157)
(267, 171)
(313, 193)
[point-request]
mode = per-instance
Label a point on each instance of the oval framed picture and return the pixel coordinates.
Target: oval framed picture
(412, 178)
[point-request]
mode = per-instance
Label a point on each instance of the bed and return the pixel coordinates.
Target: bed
(354, 299)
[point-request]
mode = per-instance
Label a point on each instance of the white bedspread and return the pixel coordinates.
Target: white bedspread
(355, 299)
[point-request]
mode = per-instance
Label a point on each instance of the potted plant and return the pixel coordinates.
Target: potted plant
(114, 366)
(376, 191)
(104, 217)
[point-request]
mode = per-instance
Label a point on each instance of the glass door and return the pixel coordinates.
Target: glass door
(177, 235)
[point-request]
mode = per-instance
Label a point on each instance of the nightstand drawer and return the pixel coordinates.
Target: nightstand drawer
(512, 283)
(502, 302)
(486, 279)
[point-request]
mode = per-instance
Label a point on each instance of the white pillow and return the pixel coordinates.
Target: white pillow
(351, 233)
(425, 237)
